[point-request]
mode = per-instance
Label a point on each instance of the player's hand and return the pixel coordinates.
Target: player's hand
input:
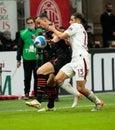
(67, 41)
(37, 56)
(113, 33)
(48, 40)
(18, 64)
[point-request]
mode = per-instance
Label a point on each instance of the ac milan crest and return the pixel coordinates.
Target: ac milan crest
(53, 11)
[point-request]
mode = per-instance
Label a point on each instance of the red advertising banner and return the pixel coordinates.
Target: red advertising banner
(8, 18)
(57, 10)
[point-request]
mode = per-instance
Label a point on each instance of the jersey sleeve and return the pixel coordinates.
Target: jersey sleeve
(72, 29)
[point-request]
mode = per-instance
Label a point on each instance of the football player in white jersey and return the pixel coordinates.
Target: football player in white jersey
(80, 63)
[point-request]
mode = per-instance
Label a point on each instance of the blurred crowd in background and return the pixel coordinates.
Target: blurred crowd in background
(7, 43)
(107, 20)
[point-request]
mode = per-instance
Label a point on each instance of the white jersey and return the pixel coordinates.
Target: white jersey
(80, 63)
(78, 39)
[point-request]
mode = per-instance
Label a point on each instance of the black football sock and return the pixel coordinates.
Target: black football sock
(41, 86)
(51, 96)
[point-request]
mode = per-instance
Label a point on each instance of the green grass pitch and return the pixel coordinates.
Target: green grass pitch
(15, 115)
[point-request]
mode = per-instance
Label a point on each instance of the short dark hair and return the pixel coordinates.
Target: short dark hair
(30, 18)
(78, 15)
(109, 3)
(43, 15)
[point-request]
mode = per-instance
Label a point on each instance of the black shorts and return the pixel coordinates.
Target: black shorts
(58, 63)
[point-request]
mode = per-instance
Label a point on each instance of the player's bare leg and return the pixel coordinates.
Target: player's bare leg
(42, 77)
(90, 95)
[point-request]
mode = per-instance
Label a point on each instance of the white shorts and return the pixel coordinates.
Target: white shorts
(78, 67)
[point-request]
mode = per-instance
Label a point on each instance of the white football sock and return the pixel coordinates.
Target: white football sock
(67, 86)
(93, 98)
(75, 101)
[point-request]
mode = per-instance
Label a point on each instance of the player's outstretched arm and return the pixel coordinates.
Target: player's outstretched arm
(60, 35)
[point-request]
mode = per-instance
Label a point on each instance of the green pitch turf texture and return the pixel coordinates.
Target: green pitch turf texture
(15, 115)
